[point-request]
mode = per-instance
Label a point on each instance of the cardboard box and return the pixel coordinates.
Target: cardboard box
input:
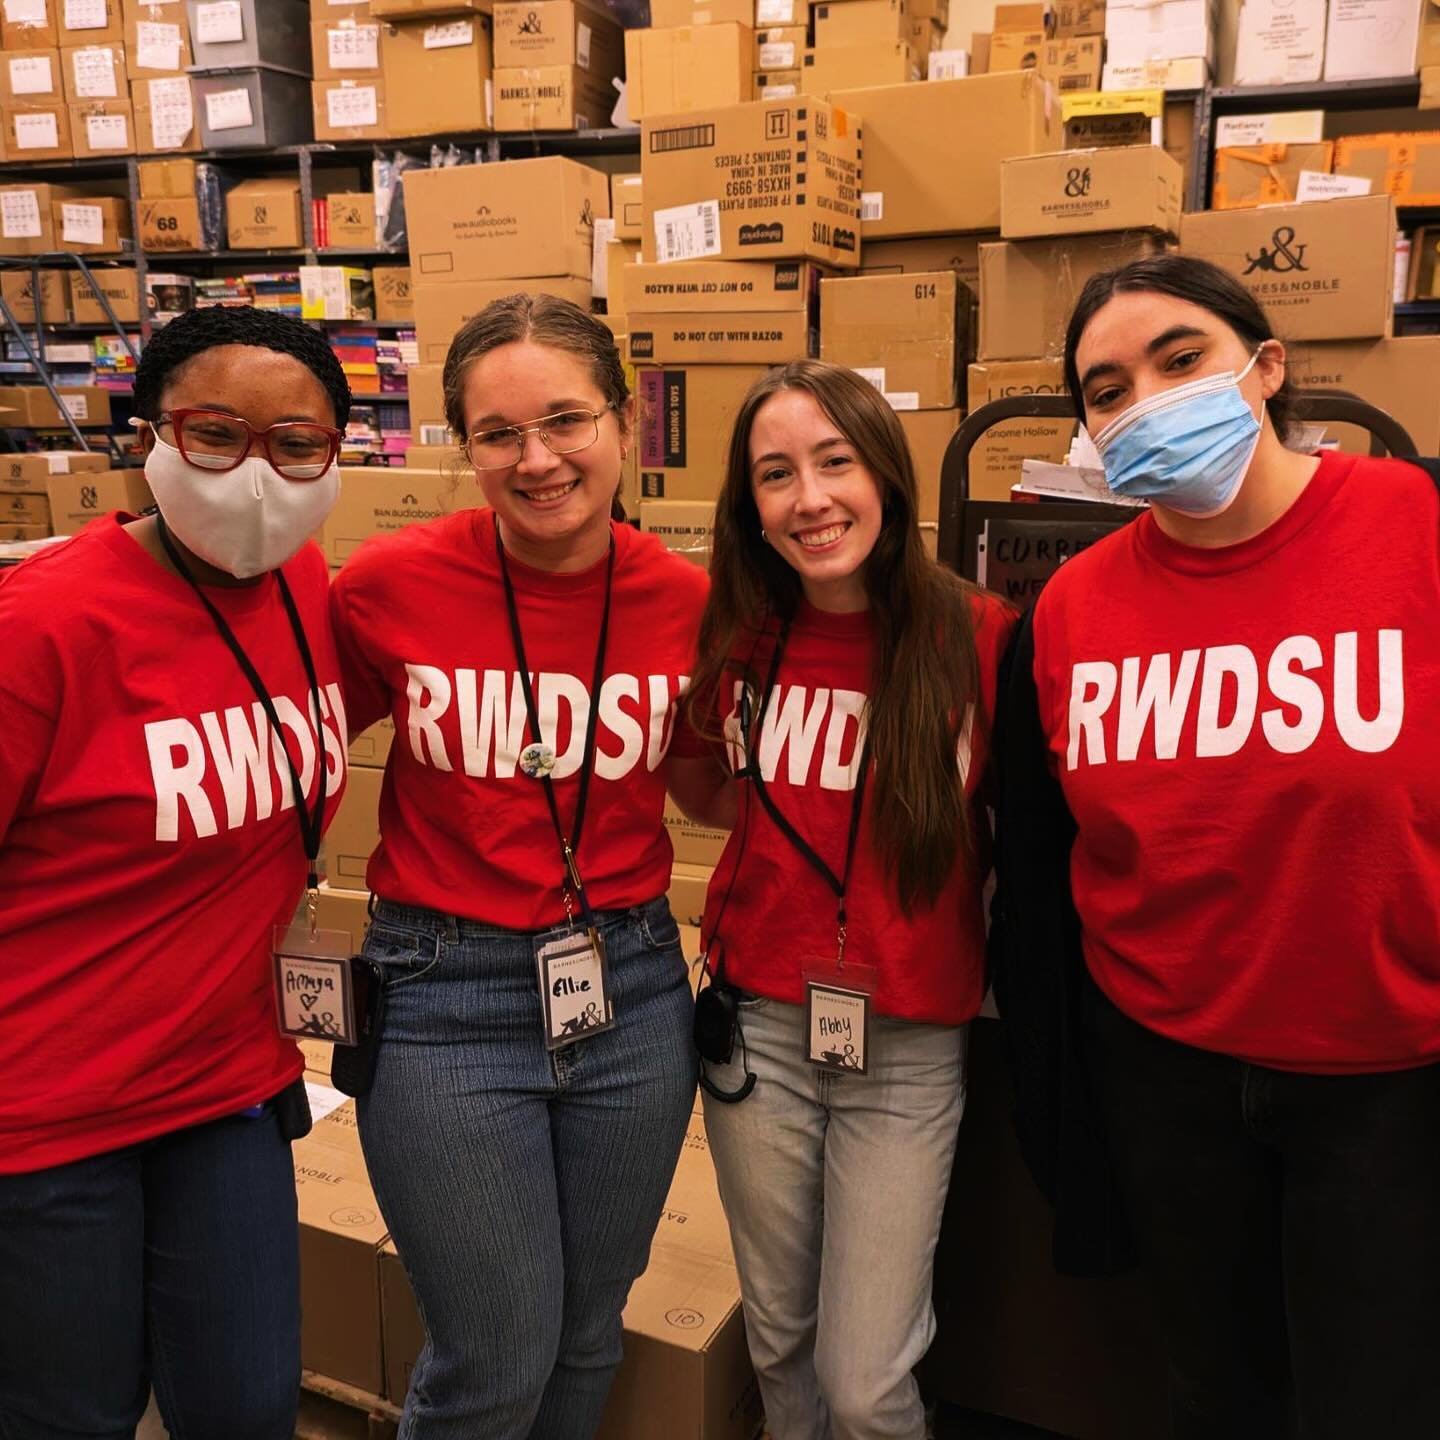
(265, 215)
(687, 890)
(693, 844)
(924, 37)
(733, 338)
(558, 32)
(350, 109)
(522, 219)
(32, 408)
(30, 473)
(31, 76)
(1073, 64)
(171, 226)
(355, 829)
(917, 181)
(557, 97)
(27, 217)
(928, 433)
(909, 335)
(168, 179)
(667, 14)
(1428, 52)
(1322, 271)
(81, 496)
(1078, 17)
(1405, 165)
(1137, 30)
(101, 128)
(859, 22)
(424, 9)
(157, 38)
(440, 310)
(348, 911)
(1084, 192)
(31, 26)
(753, 182)
(775, 85)
(627, 206)
(1398, 375)
(19, 508)
(119, 286)
(619, 254)
(960, 253)
(350, 220)
(165, 115)
(17, 287)
(371, 748)
(686, 413)
(427, 405)
(1371, 39)
(1186, 73)
(344, 46)
(722, 287)
(253, 108)
(95, 72)
(780, 47)
(1277, 127)
(93, 22)
(1280, 42)
(1251, 175)
(1130, 117)
(1029, 287)
(686, 527)
(37, 131)
(695, 67)
(341, 1231)
(438, 75)
(93, 224)
(843, 68)
(375, 500)
(996, 457)
(1016, 50)
(393, 299)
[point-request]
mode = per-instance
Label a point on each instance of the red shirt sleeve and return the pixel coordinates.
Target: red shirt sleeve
(367, 698)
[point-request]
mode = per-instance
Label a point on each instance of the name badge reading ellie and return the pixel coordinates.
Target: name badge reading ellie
(837, 1018)
(573, 991)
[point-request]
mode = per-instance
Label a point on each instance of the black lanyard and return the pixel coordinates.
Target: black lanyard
(571, 843)
(311, 822)
(839, 884)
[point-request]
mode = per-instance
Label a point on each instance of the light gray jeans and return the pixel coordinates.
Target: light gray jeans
(834, 1187)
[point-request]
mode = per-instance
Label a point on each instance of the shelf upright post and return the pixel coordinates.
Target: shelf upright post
(142, 265)
(307, 198)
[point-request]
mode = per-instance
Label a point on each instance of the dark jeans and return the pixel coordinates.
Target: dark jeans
(173, 1263)
(1290, 1225)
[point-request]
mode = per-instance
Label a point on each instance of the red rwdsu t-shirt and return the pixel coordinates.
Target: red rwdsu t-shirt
(139, 885)
(768, 910)
(421, 623)
(1249, 740)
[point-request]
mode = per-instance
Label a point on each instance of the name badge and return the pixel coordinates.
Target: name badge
(314, 989)
(573, 988)
(837, 1017)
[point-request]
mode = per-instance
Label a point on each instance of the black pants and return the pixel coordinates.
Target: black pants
(1291, 1228)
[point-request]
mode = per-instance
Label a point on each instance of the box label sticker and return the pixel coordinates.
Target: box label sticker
(82, 224)
(449, 35)
(600, 267)
(25, 12)
(219, 23)
(779, 92)
(107, 132)
(688, 232)
(157, 45)
(31, 75)
(78, 406)
(872, 374)
(228, 110)
(94, 71)
(354, 47)
(902, 399)
(434, 432)
(352, 106)
(172, 113)
(36, 132)
(774, 12)
(20, 214)
(489, 102)
(872, 204)
(778, 55)
(1316, 185)
(947, 65)
(582, 44)
(85, 14)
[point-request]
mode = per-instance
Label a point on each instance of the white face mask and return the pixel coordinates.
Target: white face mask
(244, 521)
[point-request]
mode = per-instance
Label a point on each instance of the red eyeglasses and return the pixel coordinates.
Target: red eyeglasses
(213, 440)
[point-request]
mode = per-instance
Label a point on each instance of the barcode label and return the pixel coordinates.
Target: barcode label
(688, 232)
(682, 137)
(872, 375)
(434, 434)
(872, 204)
(903, 399)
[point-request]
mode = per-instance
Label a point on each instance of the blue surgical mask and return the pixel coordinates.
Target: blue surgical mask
(1187, 448)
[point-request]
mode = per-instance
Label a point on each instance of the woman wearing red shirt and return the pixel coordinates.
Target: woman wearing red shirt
(535, 1073)
(853, 679)
(1240, 696)
(157, 803)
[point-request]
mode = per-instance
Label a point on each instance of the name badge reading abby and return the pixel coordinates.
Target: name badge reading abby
(837, 1017)
(572, 976)
(314, 991)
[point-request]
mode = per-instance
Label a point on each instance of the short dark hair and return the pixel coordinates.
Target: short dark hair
(1185, 278)
(196, 331)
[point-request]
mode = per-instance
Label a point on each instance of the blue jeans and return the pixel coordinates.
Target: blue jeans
(522, 1187)
(174, 1263)
(834, 1187)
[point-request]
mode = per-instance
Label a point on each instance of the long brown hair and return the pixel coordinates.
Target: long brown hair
(925, 674)
(547, 320)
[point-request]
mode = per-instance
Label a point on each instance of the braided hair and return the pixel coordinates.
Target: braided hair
(198, 330)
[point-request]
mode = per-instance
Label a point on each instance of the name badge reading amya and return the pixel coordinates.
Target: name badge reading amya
(837, 1016)
(573, 988)
(314, 991)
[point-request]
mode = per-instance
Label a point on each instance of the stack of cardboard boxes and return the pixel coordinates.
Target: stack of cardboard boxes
(555, 66)
(37, 219)
(55, 493)
(696, 55)
(864, 42)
